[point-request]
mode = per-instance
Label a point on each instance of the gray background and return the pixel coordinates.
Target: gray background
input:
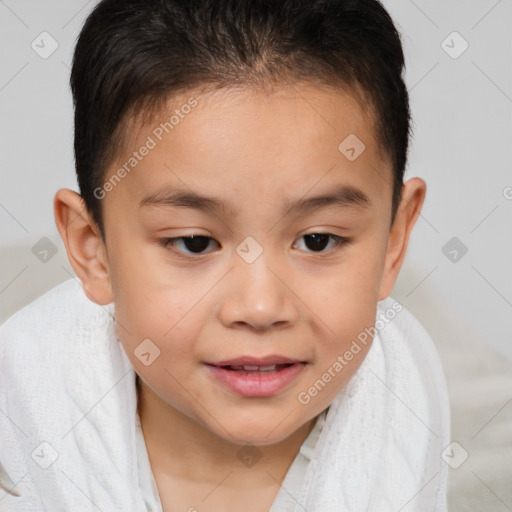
(462, 148)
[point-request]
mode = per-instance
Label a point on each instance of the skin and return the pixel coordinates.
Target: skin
(252, 149)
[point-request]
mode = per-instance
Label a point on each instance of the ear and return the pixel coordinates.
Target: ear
(413, 196)
(86, 251)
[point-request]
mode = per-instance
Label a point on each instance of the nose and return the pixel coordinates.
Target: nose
(258, 296)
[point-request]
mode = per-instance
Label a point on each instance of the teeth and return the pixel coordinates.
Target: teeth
(253, 368)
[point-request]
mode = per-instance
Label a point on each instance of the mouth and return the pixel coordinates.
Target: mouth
(252, 369)
(256, 377)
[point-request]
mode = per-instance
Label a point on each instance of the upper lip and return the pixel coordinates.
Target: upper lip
(257, 361)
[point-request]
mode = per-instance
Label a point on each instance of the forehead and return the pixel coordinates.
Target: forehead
(242, 146)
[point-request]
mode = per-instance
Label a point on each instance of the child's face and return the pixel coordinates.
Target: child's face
(303, 298)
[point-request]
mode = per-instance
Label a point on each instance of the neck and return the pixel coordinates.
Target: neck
(180, 447)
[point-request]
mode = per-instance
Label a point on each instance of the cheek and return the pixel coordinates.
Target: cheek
(346, 305)
(160, 319)
(345, 297)
(160, 341)
(149, 297)
(169, 319)
(156, 301)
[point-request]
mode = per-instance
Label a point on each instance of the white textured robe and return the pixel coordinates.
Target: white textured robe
(68, 409)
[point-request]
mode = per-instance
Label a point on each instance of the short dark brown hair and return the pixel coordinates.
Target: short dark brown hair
(133, 55)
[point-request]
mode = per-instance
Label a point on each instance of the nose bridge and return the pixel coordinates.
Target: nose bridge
(257, 296)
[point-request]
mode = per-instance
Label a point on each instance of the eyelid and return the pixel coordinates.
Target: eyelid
(166, 242)
(341, 241)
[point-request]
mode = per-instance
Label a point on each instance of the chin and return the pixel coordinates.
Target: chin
(257, 438)
(259, 429)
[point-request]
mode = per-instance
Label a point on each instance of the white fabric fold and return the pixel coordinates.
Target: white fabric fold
(68, 418)
(381, 445)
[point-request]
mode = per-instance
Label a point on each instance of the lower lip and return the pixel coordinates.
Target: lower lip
(257, 384)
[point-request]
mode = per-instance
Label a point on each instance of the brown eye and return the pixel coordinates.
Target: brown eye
(317, 242)
(194, 244)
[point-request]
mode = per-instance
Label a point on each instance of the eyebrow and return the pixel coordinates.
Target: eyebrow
(341, 196)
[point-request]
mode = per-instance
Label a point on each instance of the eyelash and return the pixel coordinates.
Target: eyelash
(166, 242)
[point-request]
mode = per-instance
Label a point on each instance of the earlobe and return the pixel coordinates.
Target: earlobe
(413, 196)
(84, 246)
